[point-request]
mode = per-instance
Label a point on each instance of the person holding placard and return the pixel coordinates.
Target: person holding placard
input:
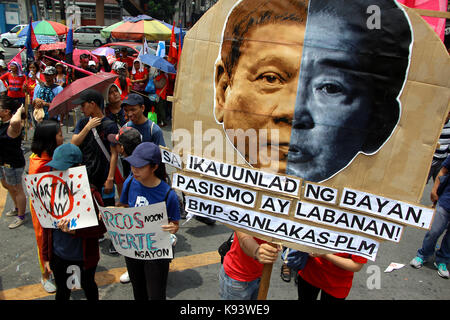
(145, 187)
(241, 272)
(47, 137)
(330, 274)
(72, 253)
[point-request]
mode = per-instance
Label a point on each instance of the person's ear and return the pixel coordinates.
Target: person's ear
(221, 82)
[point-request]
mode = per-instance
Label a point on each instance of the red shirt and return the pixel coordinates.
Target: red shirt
(240, 266)
(15, 85)
(323, 274)
(124, 90)
(139, 86)
(128, 60)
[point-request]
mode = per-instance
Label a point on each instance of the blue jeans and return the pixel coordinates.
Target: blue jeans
(440, 224)
(230, 289)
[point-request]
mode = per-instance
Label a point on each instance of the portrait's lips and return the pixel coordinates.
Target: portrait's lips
(282, 149)
(299, 154)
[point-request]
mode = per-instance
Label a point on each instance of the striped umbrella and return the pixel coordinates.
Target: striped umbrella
(135, 28)
(44, 27)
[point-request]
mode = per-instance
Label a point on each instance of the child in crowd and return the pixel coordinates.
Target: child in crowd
(145, 187)
(64, 247)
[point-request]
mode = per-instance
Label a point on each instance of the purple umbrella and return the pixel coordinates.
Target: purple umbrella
(104, 51)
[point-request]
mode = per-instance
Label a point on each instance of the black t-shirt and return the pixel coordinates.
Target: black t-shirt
(97, 165)
(10, 151)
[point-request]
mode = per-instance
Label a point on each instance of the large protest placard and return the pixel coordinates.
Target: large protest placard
(62, 194)
(323, 114)
(136, 232)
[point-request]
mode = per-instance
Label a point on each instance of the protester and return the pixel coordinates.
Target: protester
(84, 64)
(113, 109)
(134, 109)
(123, 82)
(103, 64)
(64, 247)
(161, 85)
(15, 80)
(241, 272)
(147, 186)
(126, 59)
(12, 161)
(90, 134)
(47, 137)
(60, 78)
(330, 274)
(442, 151)
(139, 76)
(441, 219)
(125, 142)
(44, 93)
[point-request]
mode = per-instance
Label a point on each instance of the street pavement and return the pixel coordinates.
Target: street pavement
(194, 271)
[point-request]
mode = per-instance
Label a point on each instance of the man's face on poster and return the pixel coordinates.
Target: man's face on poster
(328, 87)
(260, 94)
(333, 105)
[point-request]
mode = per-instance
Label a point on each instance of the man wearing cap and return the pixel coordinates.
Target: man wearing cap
(46, 92)
(84, 64)
(91, 135)
(134, 109)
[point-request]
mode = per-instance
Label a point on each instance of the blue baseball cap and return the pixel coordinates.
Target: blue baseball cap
(133, 99)
(65, 156)
(144, 154)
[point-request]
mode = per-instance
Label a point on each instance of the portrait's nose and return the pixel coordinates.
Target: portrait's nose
(303, 119)
(284, 111)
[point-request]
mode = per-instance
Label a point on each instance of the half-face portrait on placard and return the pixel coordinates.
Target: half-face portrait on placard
(350, 94)
(316, 73)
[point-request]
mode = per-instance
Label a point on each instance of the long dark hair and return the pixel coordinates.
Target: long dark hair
(161, 173)
(44, 138)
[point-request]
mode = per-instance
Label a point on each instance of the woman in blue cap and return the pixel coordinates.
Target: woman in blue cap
(145, 187)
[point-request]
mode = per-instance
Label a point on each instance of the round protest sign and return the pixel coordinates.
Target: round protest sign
(350, 98)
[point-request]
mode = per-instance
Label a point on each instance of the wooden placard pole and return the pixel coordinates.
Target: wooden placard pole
(264, 284)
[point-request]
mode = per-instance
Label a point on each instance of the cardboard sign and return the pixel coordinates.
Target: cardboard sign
(345, 97)
(136, 232)
(62, 194)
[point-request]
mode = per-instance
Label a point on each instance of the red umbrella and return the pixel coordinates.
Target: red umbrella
(52, 46)
(78, 52)
(62, 103)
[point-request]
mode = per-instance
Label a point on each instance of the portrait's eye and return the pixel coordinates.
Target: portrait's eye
(330, 88)
(270, 78)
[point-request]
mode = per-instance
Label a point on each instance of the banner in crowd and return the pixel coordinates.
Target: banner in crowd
(62, 194)
(136, 232)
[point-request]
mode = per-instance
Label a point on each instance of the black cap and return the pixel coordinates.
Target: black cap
(90, 95)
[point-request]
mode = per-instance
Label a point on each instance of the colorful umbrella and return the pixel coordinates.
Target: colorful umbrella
(62, 103)
(52, 46)
(158, 63)
(44, 27)
(135, 28)
(104, 51)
